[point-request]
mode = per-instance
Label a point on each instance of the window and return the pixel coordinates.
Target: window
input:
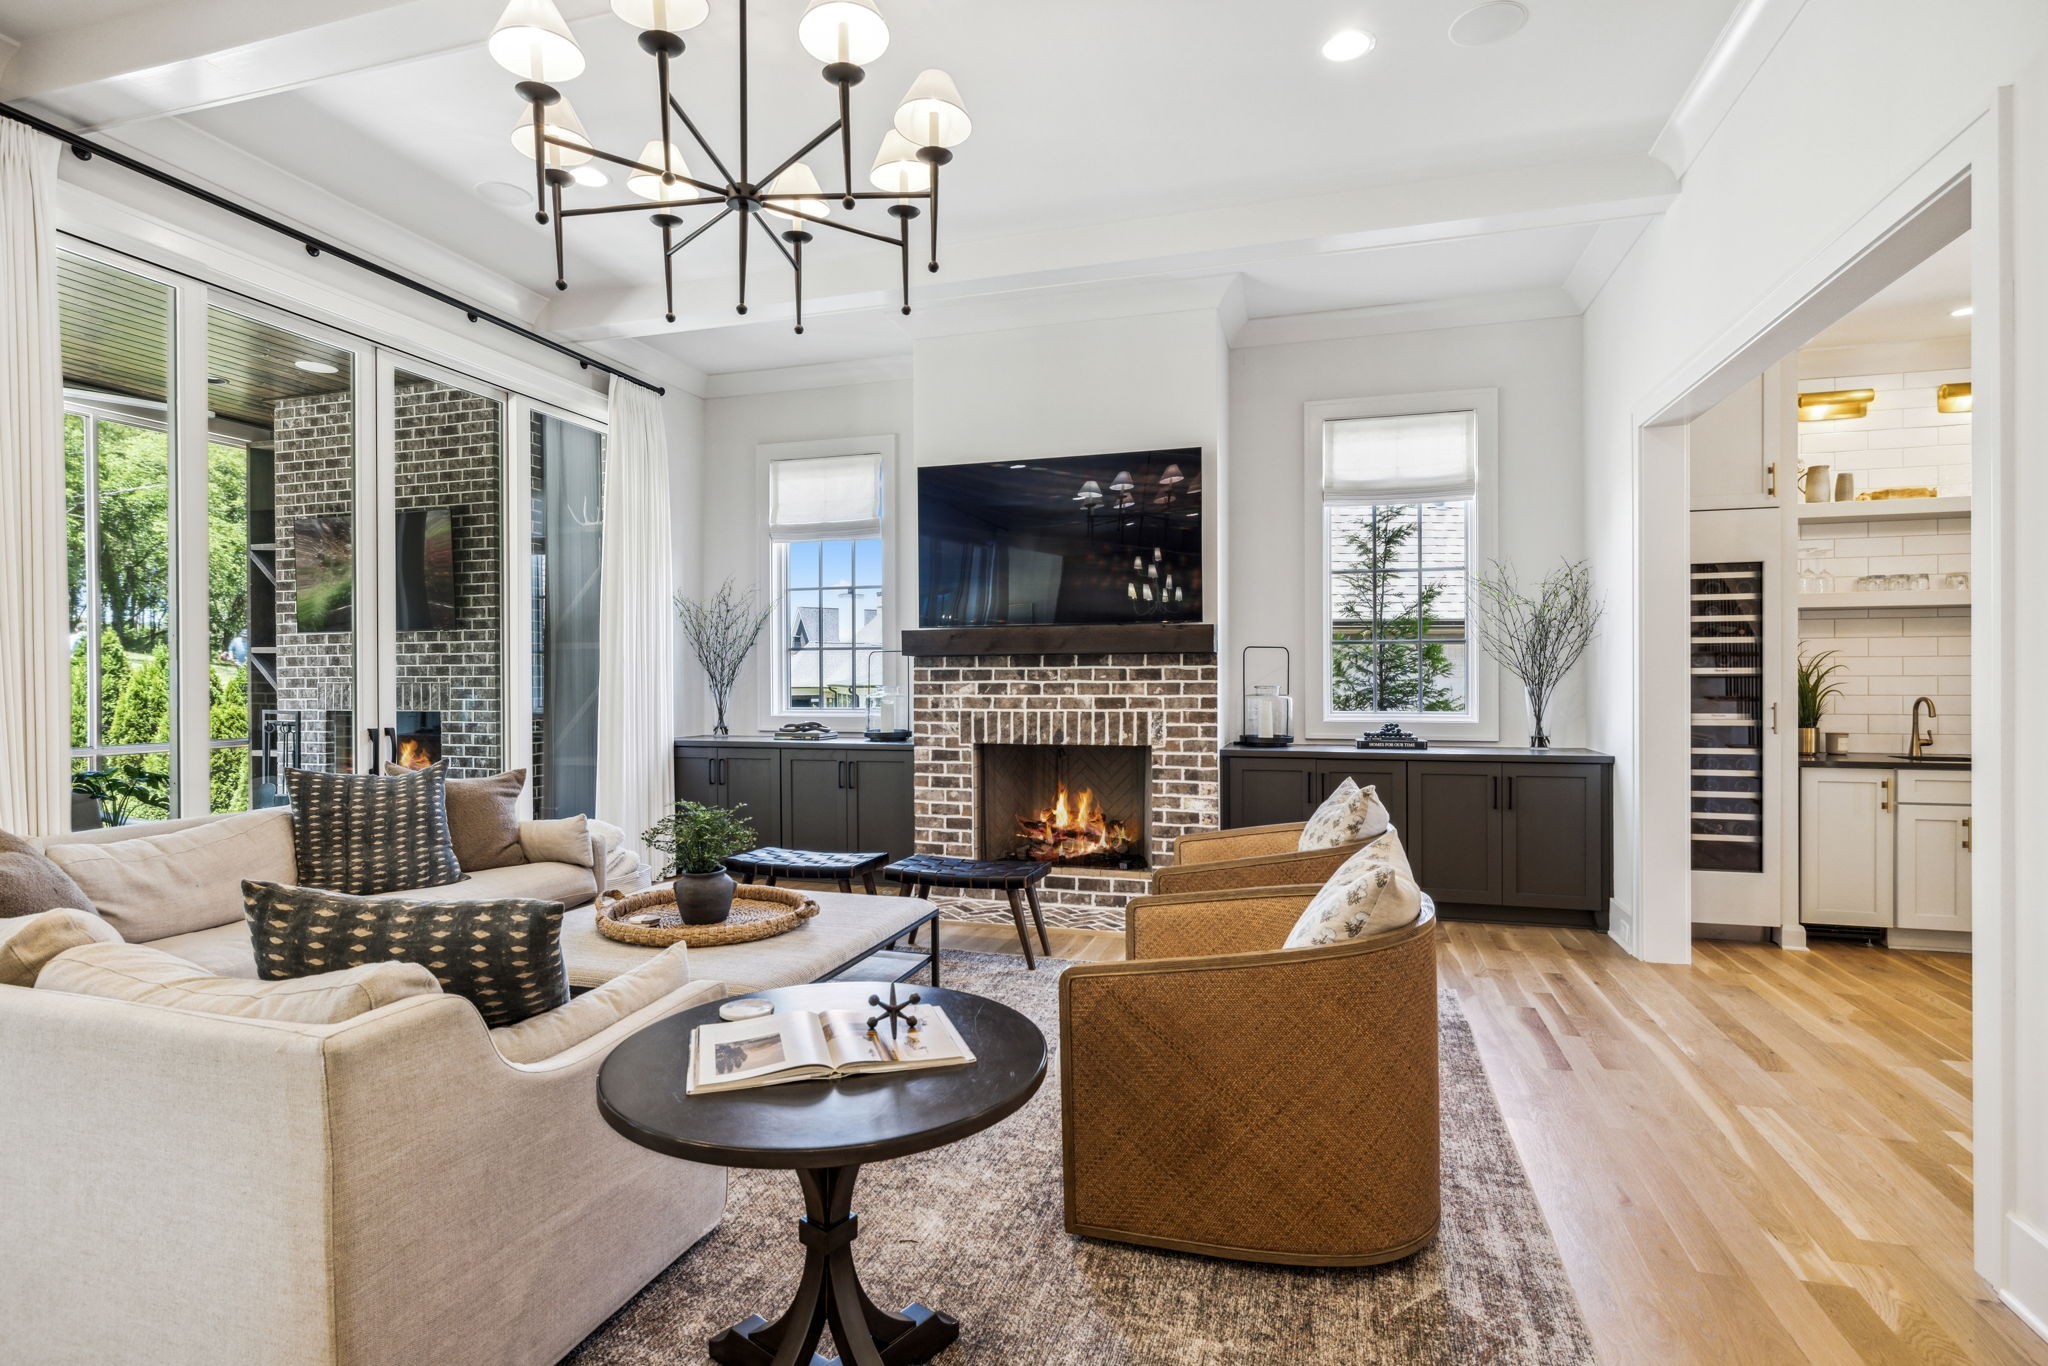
(825, 521)
(1397, 532)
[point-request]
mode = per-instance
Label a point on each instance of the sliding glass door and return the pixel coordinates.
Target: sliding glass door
(566, 547)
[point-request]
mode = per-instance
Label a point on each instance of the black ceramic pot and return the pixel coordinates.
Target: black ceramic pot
(703, 898)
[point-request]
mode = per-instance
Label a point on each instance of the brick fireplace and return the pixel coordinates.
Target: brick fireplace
(1138, 729)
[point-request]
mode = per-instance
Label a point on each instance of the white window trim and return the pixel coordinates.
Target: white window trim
(774, 686)
(1320, 723)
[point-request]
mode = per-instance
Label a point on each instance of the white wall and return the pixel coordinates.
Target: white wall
(1762, 221)
(1539, 499)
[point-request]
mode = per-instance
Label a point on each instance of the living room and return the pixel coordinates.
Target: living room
(1213, 579)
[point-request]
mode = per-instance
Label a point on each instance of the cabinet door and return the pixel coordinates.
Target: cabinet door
(1934, 868)
(1554, 839)
(1271, 791)
(1388, 777)
(1453, 835)
(814, 801)
(753, 778)
(1736, 450)
(1846, 866)
(697, 775)
(881, 805)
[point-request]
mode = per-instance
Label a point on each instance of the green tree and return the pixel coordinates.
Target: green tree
(227, 544)
(1389, 663)
(143, 717)
(228, 719)
(114, 671)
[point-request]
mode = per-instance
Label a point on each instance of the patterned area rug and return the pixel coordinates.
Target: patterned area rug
(975, 1229)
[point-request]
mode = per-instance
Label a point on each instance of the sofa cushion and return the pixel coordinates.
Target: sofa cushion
(184, 878)
(1373, 892)
(503, 956)
(29, 942)
(483, 818)
(558, 841)
(1349, 814)
(147, 975)
(224, 950)
(563, 882)
(364, 833)
(30, 884)
(555, 1032)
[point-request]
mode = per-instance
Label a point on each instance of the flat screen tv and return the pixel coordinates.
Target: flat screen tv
(426, 570)
(1079, 540)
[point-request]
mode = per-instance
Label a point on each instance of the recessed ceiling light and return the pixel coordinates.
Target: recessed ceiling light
(1348, 45)
(502, 192)
(589, 175)
(1489, 23)
(1965, 311)
(317, 367)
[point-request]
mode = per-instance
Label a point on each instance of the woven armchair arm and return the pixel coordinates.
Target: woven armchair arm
(1202, 925)
(1288, 869)
(1221, 1105)
(1210, 846)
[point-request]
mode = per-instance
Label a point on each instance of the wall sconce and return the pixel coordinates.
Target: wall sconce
(1952, 398)
(1830, 404)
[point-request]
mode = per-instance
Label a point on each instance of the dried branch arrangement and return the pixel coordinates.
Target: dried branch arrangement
(1538, 639)
(722, 630)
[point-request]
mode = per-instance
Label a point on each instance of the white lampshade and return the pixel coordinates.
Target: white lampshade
(843, 31)
(532, 42)
(798, 179)
(563, 123)
(932, 114)
(670, 16)
(651, 186)
(897, 168)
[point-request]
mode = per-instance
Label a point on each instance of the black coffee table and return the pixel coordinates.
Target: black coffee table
(824, 1131)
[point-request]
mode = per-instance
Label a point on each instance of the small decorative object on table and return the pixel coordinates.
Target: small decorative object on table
(888, 705)
(892, 1012)
(649, 919)
(722, 630)
(697, 840)
(1391, 736)
(1539, 639)
(1268, 711)
(806, 730)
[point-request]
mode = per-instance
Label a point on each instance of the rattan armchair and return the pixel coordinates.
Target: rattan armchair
(1249, 856)
(1224, 1096)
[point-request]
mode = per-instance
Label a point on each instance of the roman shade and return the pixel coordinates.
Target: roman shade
(823, 497)
(1413, 457)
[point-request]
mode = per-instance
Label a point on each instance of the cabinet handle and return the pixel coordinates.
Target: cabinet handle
(852, 774)
(1966, 832)
(1774, 718)
(1511, 792)
(1308, 785)
(1771, 480)
(841, 766)
(1884, 787)
(1496, 793)
(725, 773)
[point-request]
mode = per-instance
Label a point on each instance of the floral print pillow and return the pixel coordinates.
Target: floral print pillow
(1348, 815)
(1381, 895)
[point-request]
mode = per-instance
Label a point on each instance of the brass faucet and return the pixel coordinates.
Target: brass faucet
(1920, 741)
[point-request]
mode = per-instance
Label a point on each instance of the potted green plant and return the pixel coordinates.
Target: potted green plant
(1816, 689)
(696, 841)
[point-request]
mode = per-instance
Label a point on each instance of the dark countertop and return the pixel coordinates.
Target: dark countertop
(1945, 762)
(1333, 749)
(849, 740)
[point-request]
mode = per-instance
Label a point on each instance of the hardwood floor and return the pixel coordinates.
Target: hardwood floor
(1764, 1157)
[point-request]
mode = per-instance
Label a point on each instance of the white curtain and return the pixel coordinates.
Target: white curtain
(35, 694)
(636, 621)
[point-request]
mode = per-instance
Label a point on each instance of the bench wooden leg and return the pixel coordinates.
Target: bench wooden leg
(867, 882)
(1038, 918)
(1023, 935)
(846, 884)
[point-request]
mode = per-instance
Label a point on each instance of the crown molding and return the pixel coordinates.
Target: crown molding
(1603, 256)
(1480, 310)
(1745, 43)
(830, 375)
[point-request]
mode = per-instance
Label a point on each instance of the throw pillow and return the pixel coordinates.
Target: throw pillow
(562, 841)
(364, 833)
(28, 943)
(504, 956)
(1348, 815)
(137, 972)
(155, 879)
(1380, 897)
(483, 818)
(30, 884)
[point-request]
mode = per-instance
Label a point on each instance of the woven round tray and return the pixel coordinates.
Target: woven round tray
(757, 913)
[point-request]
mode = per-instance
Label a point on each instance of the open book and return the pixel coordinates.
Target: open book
(802, 1045)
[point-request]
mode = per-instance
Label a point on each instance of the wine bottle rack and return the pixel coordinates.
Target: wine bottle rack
(1727, 716)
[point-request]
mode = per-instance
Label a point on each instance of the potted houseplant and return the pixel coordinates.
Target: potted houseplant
(1538, 639)
(696, 841)
(722, 630)
(1816, 689)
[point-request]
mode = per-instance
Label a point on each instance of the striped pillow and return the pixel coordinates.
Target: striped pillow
(366, 834)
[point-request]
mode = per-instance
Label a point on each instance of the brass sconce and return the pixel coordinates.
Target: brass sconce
(1952, 398)
(1830, 404)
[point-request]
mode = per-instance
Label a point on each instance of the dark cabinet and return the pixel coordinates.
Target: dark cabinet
(732, 776)
(814, 800)
(884, 799)
(840, 800)
(1389, 779)
(1453, 837)
(1272, 792)
(1554, 833)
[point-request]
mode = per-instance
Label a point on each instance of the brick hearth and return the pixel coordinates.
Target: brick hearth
(1165, 701)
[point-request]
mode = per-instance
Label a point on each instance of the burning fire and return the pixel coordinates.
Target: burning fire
(414, 754)
(1071, 828)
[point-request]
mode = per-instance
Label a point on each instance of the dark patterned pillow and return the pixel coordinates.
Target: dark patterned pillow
(365, 834)
(505, 956)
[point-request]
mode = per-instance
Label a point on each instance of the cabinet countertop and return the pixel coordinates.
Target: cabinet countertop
(1332, 749)
(852, 740)
(1940, 762)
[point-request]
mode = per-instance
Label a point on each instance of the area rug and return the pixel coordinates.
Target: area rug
(975, 1229)
(1056, 917)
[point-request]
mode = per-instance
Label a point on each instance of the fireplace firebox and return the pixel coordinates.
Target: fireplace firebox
(1077, 806)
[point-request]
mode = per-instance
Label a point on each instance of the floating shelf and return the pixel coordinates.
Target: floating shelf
(1906, 597)
(1883, 509)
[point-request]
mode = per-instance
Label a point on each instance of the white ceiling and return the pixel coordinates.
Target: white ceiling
(1089, 117)
(1915, 307)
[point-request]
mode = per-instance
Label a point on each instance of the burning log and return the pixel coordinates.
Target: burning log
(1072, 829)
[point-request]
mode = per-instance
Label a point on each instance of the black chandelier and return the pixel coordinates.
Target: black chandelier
(532, 42)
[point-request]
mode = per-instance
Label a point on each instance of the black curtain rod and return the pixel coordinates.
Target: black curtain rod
(86, 149)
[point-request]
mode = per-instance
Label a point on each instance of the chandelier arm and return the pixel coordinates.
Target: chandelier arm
(644, 206)
(555, 186)
(857, 194)
(744, 139)
(799, 154)
(843, 227)
(798, 262)
(615, 159)
(691, 124)
(846, 142)
(744, 236)
(668, 265)
(903, 242)
(935, 218)
(702, 228)
(780, 245)
(540, 164)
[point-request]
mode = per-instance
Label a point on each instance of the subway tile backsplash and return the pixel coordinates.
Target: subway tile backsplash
(1903, 442)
